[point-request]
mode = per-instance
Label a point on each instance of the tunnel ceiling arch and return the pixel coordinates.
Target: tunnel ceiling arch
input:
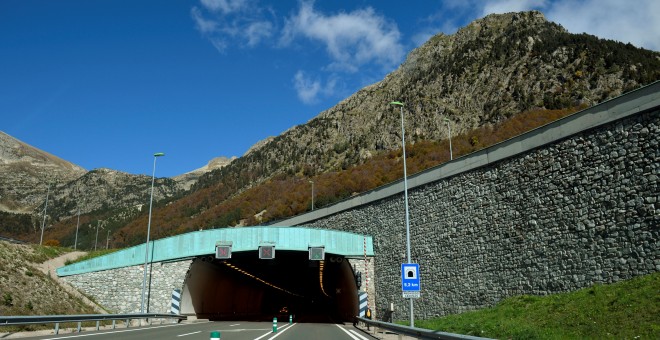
(243, 239)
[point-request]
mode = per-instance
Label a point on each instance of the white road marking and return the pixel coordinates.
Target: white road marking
(358, 334)
(347, 332)
(117, 331)
(280, 330)
(190, 333)
(236, 324)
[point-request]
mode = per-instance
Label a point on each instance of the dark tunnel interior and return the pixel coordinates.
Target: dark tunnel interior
(248, 288)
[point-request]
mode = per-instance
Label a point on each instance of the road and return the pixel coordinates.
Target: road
(228, 331)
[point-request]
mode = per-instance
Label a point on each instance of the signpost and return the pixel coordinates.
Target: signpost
(410, 281)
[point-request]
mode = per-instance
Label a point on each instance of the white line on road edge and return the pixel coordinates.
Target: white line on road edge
(113, 332)
(281, 330)
(190, 333)
(236, 324)
(358, 334)
(347, 332)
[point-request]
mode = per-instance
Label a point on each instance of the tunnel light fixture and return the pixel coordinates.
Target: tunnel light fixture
(317, 253)
(321, 267)
(223, 250)
(260, 279)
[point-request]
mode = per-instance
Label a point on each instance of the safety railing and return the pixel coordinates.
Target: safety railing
(57, 319)
(419, 333)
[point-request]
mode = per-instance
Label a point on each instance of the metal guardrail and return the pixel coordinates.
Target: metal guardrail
(57, 319)
(419, 333)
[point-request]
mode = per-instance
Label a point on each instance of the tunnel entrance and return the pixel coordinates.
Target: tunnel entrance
(248, 288)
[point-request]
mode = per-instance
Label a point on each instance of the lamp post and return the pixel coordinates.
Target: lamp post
(405, 192)
(310, 181)
(96, 241)
(146, 245)
(75, 243)
(451, 154)
(43, 224)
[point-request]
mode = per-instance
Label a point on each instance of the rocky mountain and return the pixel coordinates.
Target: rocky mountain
(494, 68)
(189, 178)
(26, 172)
(488, 71)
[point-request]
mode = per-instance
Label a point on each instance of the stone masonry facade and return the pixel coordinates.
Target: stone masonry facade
(120, 290)
(580, 211)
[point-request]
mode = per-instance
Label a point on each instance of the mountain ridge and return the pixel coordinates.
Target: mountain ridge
(489, 71)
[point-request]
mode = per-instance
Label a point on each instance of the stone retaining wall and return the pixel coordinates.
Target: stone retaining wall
(580, 211)
(120, 290)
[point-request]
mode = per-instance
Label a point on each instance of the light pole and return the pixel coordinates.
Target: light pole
(98, 222)
(405, 192)
(75, 243)
(451, 154)
(310, 181)
(146, 245)
(43, 224)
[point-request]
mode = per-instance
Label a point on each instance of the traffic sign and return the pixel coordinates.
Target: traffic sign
(410, 282)
(223, 250)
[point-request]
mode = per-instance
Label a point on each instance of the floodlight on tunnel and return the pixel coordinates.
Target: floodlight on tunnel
(317, 253)
(223, 250)
(267, 252)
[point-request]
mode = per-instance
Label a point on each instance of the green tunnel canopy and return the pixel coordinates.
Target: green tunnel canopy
(242, 238)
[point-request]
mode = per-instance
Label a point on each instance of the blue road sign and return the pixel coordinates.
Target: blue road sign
(410, 277)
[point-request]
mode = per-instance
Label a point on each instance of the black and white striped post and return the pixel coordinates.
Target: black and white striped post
(363, 298)
(176, 302)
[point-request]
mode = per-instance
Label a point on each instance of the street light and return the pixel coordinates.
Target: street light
(43, 224)
(98, 222)
(405, 191)
(451, 154)
(310, 181)
(146, 245)
(75, 243)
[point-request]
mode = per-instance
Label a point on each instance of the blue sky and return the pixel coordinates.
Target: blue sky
(105, 84)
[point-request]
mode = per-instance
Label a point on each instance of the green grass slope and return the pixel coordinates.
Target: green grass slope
(624, 310)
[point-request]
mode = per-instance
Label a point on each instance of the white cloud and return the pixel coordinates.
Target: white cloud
(635, 22)
(256, 31)
(351, 39)
(231, 21)
(310, 89)
(307, 89)
(203, 25)
(225, 6)
(505, 6)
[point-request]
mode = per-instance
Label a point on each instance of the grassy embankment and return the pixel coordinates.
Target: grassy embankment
(624, 310)
(26, 290)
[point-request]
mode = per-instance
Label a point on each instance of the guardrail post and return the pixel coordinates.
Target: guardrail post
(128, 322)
(79, 324)
(215, 335)
(97, 324)
(113, 323)
(57, 328)
(275, 325)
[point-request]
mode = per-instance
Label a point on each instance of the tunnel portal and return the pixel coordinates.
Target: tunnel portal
(248, 288)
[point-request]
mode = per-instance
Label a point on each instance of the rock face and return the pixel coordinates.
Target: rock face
(187, 180)
(26, 172)
(492, 69)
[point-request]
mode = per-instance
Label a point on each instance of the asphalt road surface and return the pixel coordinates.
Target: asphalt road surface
(229, 330)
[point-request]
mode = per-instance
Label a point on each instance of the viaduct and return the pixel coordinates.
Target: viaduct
(562, 207)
